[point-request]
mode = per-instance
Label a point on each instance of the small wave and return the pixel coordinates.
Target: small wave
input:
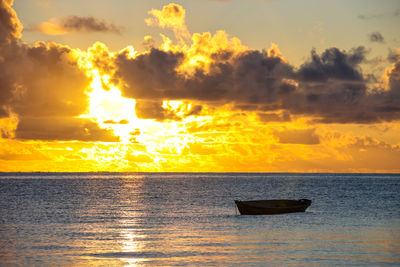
(151, 254)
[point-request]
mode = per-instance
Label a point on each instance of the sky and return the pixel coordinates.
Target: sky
(200, 86)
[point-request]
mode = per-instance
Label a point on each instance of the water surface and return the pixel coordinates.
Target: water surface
(177, 219)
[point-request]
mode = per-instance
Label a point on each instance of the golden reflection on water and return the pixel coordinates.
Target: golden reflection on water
(147, 238)
(186, 244)
(129, 245)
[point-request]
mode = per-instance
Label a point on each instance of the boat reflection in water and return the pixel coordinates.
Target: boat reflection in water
(272, 206)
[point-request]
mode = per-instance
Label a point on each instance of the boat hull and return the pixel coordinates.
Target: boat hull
(273, 206)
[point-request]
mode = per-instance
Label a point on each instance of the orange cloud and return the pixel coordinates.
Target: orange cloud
(51, 28)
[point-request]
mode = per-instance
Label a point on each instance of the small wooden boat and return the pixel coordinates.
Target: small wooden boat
(272, 206)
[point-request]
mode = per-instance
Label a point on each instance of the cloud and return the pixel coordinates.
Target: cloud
(394, 13)
(10, 31)
(371, 16)
(116, 122)
(45, 80)
(297, 136)
(274, 116)
(342, 96)
(12, 151)
(161, 111)
(329, 86)
(89, 24)
(148, 75)
(148, 42)
(248, 77)
(49, 82)
(62, 129)
(50, 27)
(392, 77)
(10, 26)
(45, 4)
(139, 158)
(393, 55)
(76, 24)
(376, 37)
(333, 64)
(171, 16)
(43, 86)
(153, 110)
(200, 149)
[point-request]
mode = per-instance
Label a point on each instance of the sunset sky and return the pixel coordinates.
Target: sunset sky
(200, 85)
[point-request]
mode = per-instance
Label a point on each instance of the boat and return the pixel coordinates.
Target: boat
(272, 206)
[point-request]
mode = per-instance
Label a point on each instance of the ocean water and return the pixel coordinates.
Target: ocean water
(180, 219)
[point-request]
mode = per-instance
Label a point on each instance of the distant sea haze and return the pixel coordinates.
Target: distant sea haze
(170, 219)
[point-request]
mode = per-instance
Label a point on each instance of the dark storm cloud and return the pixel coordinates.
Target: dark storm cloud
(250, 77)
(88, 24)
(329, 86)
(43, 86)
(376, 37)
(333, 64)
(341, 97)
(150, 75)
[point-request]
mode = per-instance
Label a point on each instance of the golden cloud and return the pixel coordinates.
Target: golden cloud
(171, 16)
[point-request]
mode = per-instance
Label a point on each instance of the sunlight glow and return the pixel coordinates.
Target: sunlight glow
(156, 140)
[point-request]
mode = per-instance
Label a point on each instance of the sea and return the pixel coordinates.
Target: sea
(190, 219)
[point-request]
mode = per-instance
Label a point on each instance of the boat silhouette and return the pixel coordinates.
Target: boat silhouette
(272, 206)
